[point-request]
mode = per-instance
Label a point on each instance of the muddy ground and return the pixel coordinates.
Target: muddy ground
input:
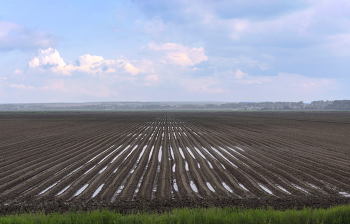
(156, 161)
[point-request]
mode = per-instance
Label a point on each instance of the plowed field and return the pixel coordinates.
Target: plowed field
(174, 159)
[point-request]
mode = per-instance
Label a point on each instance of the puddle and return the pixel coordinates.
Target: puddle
(99, 154)
(97, 190)
(199, 152)
(63, 190)
(116, 169)
(210, 187)
(265, 188)
(181, 152)
(239, 148)
(193, 186)
(42, 192)
(75, 170)
(189, 150)
(345, 194)
(172, 153)
(217, 151)
(150, 154)
(174, 168)
(300, 188)
(199, 166)
(242, 186)
(103, 169)
(160, 154)
(116, 157)
(143, 151)
(89, 170)
(227, 187)
(108, 154)
(244, 157)
(81, 190)
(283, 189)
(175, 186)
(121, 187)
(211, 166)
(186, 166)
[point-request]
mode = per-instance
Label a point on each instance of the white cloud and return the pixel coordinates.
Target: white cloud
(17, 71)
(179, 54)
(239, 74)
(13, 36)
(50, 59)
(21, 86)
(131, 69)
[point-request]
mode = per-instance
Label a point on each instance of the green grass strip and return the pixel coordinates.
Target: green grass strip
(339, 214)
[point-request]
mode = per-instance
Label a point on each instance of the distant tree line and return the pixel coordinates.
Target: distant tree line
(314, 105)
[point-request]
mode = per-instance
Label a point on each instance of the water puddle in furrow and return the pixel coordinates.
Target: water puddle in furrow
(300, 188)
(116, 157)
(240, 148)
(160, 155)
(121, 187)
(124, 158)
(81, 190)
(210, 187)
(283, 189)
(143, 174)
(157, 174)
(186, 166)
(214, 158)
(174, 168)
(103, 169)
(265, 189)
(64, 168)
(217, 151)
(97, 191)
(211, 167)
(190, 152)
(199, 166)
(172, 153)
(227, 187)
(175, 185)
(63, 190)
(109, 154)
(193, 186)
(42, 192)
(89, 170)
(345, 194)
(181, 152)
(242, 186)
(244, 157)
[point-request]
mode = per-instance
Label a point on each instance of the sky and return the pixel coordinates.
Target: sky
(198, 50)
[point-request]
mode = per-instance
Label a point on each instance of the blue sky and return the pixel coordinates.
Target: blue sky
(224, 50)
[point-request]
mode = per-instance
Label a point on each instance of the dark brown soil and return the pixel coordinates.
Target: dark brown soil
(278, 159)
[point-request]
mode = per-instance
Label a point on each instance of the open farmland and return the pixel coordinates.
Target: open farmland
(129, 160)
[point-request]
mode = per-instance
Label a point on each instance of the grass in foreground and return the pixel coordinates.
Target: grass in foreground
(340, 214)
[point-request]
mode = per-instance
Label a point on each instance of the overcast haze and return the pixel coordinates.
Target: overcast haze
(226, 50)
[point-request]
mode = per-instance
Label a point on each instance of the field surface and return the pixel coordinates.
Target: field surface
(129, 160)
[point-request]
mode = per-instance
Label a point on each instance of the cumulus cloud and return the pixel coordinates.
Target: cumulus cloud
(14, 36)
(131, 69)
(50, 59)
(239, 74)
(21, 86)
(179, 54)
(17, 71)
